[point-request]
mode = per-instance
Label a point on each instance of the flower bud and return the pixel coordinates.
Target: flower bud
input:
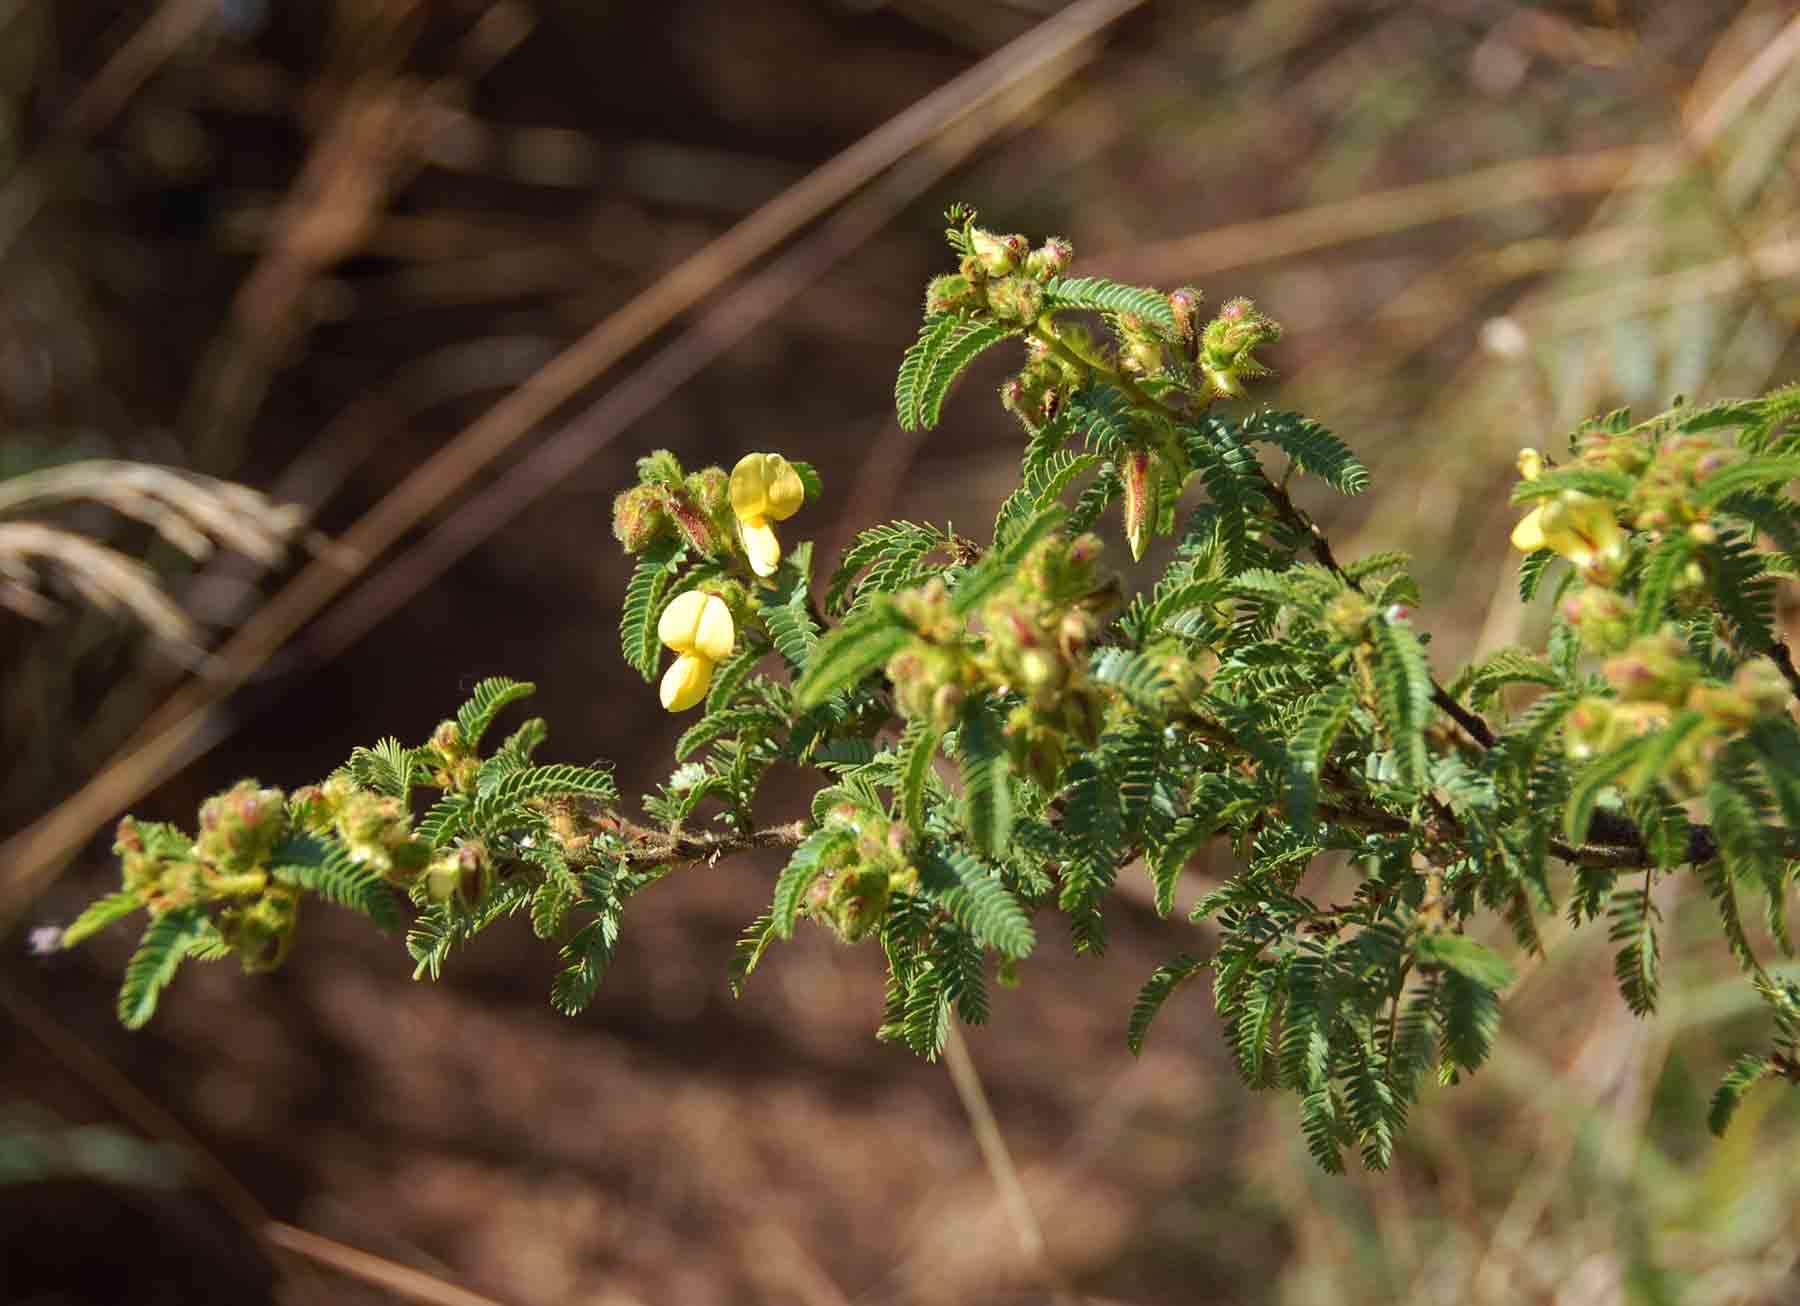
(859, 900)
(995, 255)
(692, 525)
(638, 518)
(1051, 259)
(951, 293)
(1601, 617)
(711, 490)
(1185, 305)
(1761, 682)
(1015, 299)
(1140, 501)
(1725, 707)
(240, 827)
(1653, 669)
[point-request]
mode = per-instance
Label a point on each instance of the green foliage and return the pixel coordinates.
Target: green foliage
(645, 596)
(170, 938)
(1157, 991)
(1254, 693)
(1102, 296)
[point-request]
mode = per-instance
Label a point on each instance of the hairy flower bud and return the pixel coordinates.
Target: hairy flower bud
(1051, 259)
(1601, 617)
(1653, 669)
(639, 519)
(1140, 501)
(951, 293)
(240, 827)
(996, 255)
(1184, 304)
(1015, 299)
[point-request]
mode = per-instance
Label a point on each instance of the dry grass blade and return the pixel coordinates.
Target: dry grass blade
(1384, 212)
(106, 578)
(32, 855)
(401, 1281)
(188, 510)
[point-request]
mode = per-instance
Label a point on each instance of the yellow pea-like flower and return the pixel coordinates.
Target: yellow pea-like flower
(765, 488)
(686, 681)
(1528, 535)
(698, 628)
(1578, 527)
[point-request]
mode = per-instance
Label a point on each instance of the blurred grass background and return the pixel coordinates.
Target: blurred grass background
(307, 246)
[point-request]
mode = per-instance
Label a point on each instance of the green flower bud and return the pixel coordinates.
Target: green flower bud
(240, 827)
(858, 901)
(261, 933)
(1761, 682)
(638, 518)
(996, 255)
(1653, 669)
(1015, 299)
(951, 293)
(1601, 617)
(1348, 616)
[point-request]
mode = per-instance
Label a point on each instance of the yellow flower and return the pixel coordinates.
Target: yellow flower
(764, 488)
(1580, 528)
(698, 627)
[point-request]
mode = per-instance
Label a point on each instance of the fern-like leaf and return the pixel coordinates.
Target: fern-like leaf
(1308, 748)
(1745, 1073)
(167, 941)
(977, 900)
(809, 861)
(644, 596)
(325, 867)
(1313, 449)
(1402, 696)
(852, 651)
(1099, 295)
(100, 913)
(1155, 993)
(986, 777)
(485, 703)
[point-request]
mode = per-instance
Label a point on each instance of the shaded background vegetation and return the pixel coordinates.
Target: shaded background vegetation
(305, 245)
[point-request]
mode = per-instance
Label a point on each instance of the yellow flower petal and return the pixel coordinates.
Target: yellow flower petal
(681, 620)
(750, 486)
(1528, 535)
(765, 486)
(1530, 464)
(685, 682)
(786, 492)
(760, 546)
(698, 622)
(715, 636)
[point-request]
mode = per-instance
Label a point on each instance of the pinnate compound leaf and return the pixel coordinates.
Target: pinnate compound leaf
(1156, 991)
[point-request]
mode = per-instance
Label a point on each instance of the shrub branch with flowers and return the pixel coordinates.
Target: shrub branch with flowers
(1003, 727)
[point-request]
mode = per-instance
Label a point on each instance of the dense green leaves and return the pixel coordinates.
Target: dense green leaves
(852, 651)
